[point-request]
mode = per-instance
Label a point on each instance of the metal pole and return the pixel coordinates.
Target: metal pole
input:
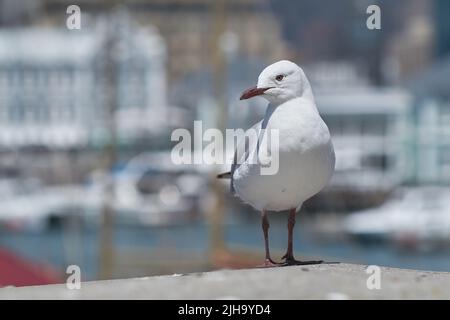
(219, 20)
(107, 250)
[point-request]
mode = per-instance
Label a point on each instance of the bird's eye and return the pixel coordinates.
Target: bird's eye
(279, 77)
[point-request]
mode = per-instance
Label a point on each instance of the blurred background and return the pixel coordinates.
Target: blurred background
(86, 118)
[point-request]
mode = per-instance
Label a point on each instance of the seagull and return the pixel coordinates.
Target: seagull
(305, 151)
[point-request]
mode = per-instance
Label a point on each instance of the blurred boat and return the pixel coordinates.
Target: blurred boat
(149, 190)
(153, 190)
(28, 204)
(415, 218)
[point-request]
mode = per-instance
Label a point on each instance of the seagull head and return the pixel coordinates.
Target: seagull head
(280, 82)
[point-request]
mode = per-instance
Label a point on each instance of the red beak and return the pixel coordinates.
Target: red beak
(253, 92)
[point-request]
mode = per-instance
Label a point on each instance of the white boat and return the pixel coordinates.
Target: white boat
(33, 205)
(149, 190)
(414, 217)
(153, 190)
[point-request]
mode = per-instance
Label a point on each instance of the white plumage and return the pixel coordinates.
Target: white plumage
(306, 155)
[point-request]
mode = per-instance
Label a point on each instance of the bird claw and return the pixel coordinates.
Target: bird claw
(290, 261)
(269, 263)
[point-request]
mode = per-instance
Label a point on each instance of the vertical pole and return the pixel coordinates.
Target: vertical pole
(107, 251)
(219, 20)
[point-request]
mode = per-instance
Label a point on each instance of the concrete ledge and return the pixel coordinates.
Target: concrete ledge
(327, 281)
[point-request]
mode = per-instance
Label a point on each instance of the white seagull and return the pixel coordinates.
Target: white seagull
(305, 151)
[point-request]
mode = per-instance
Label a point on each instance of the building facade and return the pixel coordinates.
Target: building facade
(371, 127)
(52, 85)
(187, 27)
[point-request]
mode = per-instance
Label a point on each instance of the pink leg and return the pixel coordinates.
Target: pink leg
(289, 256)
(265, 227)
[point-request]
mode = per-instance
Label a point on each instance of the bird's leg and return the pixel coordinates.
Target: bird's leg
(291, 223)
(265, 227)
(289, 256)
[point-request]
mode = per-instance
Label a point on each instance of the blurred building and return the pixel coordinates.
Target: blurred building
(441, 14)
(186, 26)
(409, 49)
(336, 30)
(369, 128)
(47, 87)
(369, 125)
(52, 85)
(430, 139)
(16, 13)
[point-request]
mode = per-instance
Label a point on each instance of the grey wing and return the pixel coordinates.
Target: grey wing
(242, 151)
(236, 164)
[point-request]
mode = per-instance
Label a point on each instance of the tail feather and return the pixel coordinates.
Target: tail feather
(225, 175)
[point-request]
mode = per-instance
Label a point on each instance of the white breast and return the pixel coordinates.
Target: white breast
(306, 159)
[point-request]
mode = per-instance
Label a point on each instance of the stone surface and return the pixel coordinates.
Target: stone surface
(326, 281)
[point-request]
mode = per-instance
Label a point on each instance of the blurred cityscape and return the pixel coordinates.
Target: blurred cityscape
(86, 118)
